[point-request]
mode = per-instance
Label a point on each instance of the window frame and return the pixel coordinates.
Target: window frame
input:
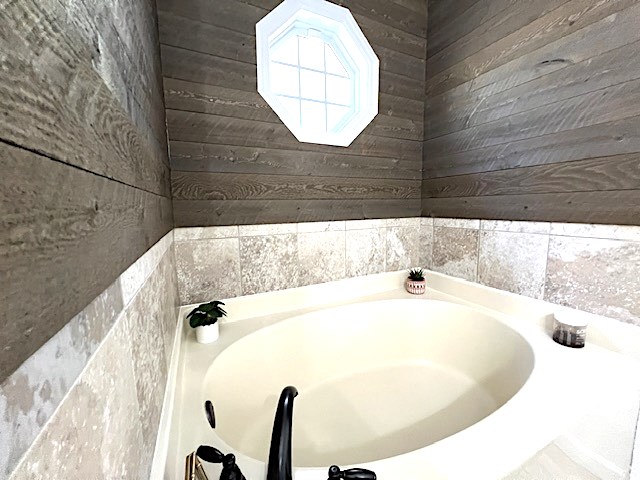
(339, 30)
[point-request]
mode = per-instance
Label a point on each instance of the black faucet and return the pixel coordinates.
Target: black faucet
(279, 466)
(230, 471)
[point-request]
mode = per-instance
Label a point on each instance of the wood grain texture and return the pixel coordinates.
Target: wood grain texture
(239, 186)
(205, 157)
(532, 111)
(85, 188)
(65, 236)
(620, 172)
(230, 151)
(202, 213)
(608, 207)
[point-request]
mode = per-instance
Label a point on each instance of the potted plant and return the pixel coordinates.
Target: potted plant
(204, 318)
(415, 283)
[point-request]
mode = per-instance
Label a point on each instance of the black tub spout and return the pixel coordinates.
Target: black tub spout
(279, 466)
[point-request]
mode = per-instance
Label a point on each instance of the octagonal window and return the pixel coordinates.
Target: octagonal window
(317, 71)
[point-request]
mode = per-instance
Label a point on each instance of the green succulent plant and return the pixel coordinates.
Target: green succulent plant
(416, 274)
(206, 314)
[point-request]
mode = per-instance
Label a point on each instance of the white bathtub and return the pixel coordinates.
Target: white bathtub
(412, 389)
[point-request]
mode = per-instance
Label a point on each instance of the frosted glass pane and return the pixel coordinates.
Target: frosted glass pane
(313, 116)
(292, 106)
(312, 53)
(335, 114)
(286, 51)
(284, 80)
(334, 65)
(312, 85)
(339, 90)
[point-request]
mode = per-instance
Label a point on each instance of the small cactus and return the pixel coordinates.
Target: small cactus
(416, 274)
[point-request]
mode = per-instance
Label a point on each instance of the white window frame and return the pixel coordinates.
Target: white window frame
(341, 31)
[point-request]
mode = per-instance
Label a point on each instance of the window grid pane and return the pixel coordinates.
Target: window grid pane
(310, 89)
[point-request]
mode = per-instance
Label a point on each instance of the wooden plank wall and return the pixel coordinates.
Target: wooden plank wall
(533, 110)
(85, 188)
(234, 162)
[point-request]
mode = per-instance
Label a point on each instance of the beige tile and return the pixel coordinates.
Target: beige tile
(208, 269)
(425, 256)
(365, 251)
(96, 432)
(30, 396)
(456, 223)
(203, 233)
(455, 252)
(143, 322)
(268, 229)
(403, 248)
(612, 232)
(311, 227)
(599, 276)
(426, 221)
(515, 227)
(321, 257)
(365, 224)
(268, 263)
(515, 262)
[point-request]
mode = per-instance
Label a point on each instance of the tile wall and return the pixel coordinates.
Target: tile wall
(588, 267)
(88, 403)
(223, 262)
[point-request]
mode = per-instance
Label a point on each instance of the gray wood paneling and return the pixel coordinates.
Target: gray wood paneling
(249, 212)
(532, 111)
(231, 152)
(85, 188)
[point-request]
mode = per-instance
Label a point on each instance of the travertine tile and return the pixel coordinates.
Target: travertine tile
(515, 262)
(134, 276)
(403, 248)
(321, 257)
(426, 221)
(30, 395)
(425, 256)
(169, 302)
(269, 263)
(96, 432)
(365, 251)
(311, 227)
(611, 232)
(268, 229)
(456, 223)
(208, 269)
(599, 276)
(364, 224)
(455, 252)
(203, 233)
(515, 227)
(143, 321)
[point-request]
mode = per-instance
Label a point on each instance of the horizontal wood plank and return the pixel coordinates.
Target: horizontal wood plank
(197, 213)
(621, 172)
(608, 207)
(610, 68)
(602, 106)
(206, 128)
(607, 139)
(234, 186)
(65, 235)
(202, 157)
(609, 33)
(202, 98)
(55, 103)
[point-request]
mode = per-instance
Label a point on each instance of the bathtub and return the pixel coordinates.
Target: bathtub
(415, 389)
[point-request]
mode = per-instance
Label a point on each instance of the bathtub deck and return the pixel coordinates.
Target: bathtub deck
(551, 464)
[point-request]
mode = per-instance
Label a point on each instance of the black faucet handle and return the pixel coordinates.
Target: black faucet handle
(351, 474)
(210, 454)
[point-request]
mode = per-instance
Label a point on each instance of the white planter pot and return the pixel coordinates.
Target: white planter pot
(208, 333)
